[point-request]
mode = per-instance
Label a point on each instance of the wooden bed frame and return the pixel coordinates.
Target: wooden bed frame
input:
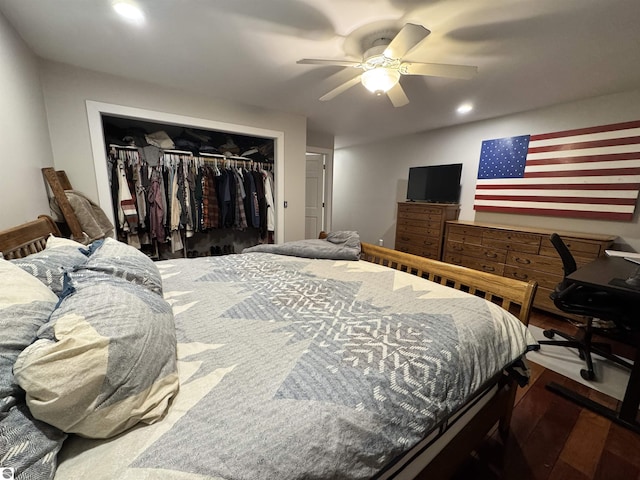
(28, 238)
(512, 295)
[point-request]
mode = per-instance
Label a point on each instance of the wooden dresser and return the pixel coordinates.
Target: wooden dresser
(519, 252)
(420, 227)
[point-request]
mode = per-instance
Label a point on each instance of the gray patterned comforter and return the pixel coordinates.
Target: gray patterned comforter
(295, 368)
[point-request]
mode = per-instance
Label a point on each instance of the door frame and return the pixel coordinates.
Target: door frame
(328, 183)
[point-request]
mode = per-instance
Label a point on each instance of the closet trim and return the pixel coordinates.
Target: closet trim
(95, 110)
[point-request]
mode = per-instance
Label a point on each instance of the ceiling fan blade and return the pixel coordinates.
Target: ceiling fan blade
(339, 63)
(438, 70)
(408, 37)
(397, 96)
(340, 88)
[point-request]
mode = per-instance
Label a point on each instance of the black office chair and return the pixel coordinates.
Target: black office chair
(579, 300)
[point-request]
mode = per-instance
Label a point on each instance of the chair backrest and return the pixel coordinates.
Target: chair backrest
(568, 262)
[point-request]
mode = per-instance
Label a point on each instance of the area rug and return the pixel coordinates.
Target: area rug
(611, 379)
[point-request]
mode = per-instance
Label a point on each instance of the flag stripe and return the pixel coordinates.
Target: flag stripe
(588, 130)
(563, 199)
(549, 167)
(631, 132)
(609, 142)
(595, 150)
(612, 181)
(621, 217)
(562, 186)
(584, 173)
(585, 158)
(559, 206)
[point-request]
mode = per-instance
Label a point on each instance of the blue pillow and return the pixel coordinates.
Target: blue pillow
(124, 261)
(105, 361)
(50, 265)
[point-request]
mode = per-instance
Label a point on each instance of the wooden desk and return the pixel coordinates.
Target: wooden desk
(608, 274)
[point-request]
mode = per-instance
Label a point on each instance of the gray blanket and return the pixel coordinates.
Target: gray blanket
(293, 368)
(343, 245)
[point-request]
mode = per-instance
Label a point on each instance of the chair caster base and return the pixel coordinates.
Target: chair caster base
(587, 374)
(548, 334)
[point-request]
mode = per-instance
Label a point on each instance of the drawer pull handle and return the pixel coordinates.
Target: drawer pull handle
(488, 268)
(521, 276)
(525, 261)
(490, 255)
(457, 248)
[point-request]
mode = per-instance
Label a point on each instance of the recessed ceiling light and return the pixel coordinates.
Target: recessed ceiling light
(129, 11)
(464, 108)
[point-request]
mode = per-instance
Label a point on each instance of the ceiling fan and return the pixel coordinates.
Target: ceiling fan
(382, 65)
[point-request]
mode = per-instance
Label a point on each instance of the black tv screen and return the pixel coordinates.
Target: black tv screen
(435, 183)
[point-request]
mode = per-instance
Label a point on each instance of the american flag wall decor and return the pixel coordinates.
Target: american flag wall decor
(583, 173)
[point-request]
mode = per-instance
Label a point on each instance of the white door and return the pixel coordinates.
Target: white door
(314, 211)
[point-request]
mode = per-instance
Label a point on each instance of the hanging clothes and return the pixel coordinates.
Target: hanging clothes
(156, 208)
(181, 194)
(268, 195)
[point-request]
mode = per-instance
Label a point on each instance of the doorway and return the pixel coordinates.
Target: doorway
(318, 191)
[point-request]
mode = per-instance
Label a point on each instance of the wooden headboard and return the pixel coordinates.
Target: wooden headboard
(28, 238)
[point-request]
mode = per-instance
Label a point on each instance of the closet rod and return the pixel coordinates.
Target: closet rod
(186, 152)
(230, 157)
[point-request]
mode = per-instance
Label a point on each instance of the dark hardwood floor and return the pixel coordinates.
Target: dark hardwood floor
(553, 438)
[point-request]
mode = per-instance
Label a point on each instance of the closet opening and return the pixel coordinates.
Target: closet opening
(182, 188)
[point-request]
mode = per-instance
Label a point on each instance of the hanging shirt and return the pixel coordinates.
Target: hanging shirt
(268, 195)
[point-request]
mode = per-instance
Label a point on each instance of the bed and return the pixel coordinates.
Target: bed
(251, 366)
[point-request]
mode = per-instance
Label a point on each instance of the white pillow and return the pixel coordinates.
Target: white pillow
(25, 306)
(58, 242)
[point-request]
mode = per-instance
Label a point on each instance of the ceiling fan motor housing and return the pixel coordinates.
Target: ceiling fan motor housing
(374, 58)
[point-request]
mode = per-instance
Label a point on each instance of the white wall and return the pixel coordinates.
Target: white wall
(66, 90)
(24, 137)
(370, 179)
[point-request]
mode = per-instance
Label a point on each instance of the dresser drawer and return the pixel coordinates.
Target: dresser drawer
(579, 248)
(421, 250)
(420, 217)
(418, 240)
(477, 251)
(418, 209)
(512, 246)
(544, 279)
(511, 240)
(464, 238)
(426, 228)
(512, 236)
(475, 263)
(535, 262)
(463, 230)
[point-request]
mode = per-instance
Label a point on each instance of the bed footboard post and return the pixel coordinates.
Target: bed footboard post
(504, 422)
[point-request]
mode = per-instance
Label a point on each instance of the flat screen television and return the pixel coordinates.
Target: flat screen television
(435, 183)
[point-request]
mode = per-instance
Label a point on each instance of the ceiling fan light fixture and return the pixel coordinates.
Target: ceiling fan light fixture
(129, 11)
(380, 80)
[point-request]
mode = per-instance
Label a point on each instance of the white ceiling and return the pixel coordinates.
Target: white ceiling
(530, 53)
